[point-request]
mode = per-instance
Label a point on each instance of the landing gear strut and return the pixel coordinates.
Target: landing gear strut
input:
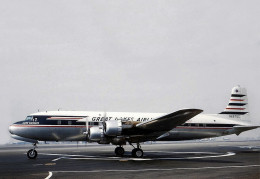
(32, 153)
(119, 151)
(137, 152)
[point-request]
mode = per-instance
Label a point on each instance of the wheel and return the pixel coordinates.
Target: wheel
(138, 153)
(133, 152)
(32, 154)
(119, 151)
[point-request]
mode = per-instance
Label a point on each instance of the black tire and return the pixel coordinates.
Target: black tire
(32, 154)
(133, 152)
(119, 151)
(138, 153)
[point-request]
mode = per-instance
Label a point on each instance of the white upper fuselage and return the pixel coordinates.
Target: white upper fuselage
(98, 116)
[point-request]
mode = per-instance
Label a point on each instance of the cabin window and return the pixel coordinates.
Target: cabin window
(59, 122)
(29, 118)
(93, 123)
(204, 125)
(69, 122)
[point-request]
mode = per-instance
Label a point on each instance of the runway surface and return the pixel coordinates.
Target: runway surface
(175, 160)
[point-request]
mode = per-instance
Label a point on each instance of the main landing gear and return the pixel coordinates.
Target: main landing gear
(32, 153)
(136, 152)
(119, 151)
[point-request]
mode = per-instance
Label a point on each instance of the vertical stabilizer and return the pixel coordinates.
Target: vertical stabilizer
(238, 102)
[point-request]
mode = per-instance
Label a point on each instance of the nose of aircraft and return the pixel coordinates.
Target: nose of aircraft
(11, 129)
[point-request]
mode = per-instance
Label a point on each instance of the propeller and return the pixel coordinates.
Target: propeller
(87, 128)
(104, 122)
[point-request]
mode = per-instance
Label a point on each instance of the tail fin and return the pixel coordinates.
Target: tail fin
(238, 102)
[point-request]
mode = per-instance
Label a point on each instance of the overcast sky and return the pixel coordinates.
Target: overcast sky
(135, 56)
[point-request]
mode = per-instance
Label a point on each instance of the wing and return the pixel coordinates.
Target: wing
(169, 121)
(159, 127)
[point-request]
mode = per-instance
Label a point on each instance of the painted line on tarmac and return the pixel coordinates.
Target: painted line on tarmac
(86, 157)
(202, 157)
(57, 159)
(181, 152)
(145, 159)
(151, 169)
(108, 158)
(241, 146)
(249, 147)
(67, 155)
(49, 176)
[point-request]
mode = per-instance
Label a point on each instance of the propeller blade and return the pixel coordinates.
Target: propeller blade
(87, 126)
(104, 120)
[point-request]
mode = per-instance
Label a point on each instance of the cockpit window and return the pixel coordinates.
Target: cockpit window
(29, 118)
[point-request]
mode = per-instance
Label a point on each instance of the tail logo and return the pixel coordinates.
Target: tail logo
(238, 102)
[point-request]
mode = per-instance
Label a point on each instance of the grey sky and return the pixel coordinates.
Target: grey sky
(140, 56)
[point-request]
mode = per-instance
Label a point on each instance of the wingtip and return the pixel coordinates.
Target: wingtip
(200, 110)
(194, 110)
(197, 111)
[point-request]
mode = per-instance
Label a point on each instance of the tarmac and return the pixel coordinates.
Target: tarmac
(161, 160)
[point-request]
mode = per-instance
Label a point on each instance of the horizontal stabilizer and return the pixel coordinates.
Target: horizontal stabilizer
(239, 129)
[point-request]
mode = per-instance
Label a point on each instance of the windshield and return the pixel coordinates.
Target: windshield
(28, 118)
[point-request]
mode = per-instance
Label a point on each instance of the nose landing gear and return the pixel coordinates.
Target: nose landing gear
(32, 153)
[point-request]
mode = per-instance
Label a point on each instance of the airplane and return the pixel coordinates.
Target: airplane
(119, 128)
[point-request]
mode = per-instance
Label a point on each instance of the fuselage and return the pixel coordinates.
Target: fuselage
(71, 125)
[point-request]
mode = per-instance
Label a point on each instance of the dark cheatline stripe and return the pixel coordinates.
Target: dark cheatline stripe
(237, 95)
(237, 104)
(207, 125)
(74, 126)
(220, 125)
(230, 112)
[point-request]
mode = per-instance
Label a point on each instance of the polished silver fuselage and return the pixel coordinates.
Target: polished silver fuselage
(76, 133)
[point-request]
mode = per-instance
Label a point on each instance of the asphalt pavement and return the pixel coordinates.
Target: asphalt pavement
(161, 160)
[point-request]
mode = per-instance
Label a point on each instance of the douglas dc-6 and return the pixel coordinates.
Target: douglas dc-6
(119, 128)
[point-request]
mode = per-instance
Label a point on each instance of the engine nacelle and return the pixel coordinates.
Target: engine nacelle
(118, 141)
(95, 134)
(113, 128)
